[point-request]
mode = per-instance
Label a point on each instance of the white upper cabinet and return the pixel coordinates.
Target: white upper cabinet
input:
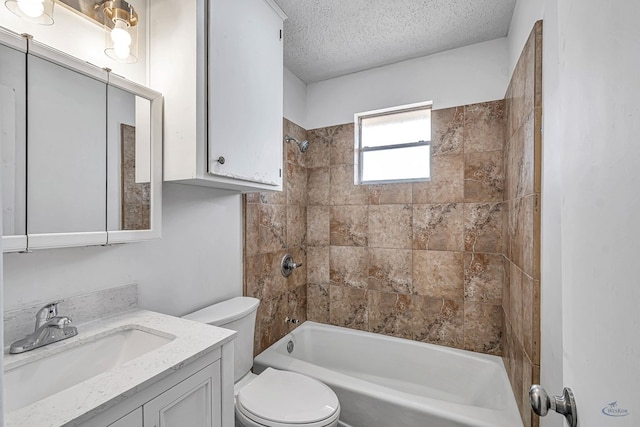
(219, 64)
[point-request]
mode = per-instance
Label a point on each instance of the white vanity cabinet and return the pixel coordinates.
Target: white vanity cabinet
(194, 402)
(219, 64)
(132, 419)
(197, 395)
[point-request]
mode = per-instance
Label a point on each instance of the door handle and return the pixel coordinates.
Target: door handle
(564, 405)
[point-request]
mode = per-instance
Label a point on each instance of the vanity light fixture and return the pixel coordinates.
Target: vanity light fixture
(121, 31)
(35, 11)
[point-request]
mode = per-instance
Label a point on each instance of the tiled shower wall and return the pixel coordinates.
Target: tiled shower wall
(421, 261)
(276, 224)
(521, 296)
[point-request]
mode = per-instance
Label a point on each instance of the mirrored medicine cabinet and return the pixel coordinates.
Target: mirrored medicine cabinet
(80, 149)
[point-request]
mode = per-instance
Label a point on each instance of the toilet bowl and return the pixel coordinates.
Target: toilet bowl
(274, 398)
(286, 399)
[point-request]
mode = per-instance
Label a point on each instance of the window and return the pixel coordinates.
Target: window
(394, 144)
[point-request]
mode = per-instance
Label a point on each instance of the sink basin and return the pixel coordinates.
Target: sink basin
(82, 360)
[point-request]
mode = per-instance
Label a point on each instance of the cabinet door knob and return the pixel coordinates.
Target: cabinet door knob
(221, 160)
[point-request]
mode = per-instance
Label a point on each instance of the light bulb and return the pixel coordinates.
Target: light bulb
(121, 51)
(120, 35)
(31, 8)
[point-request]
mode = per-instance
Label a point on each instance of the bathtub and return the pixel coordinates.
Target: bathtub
(384, 381)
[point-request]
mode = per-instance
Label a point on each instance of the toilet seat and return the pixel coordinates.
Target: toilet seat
(285, 399)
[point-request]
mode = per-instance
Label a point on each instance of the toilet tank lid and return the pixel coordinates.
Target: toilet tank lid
(225, 312)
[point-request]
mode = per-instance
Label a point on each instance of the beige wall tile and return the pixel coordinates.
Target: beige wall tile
(342, 145)
(296, 225)
(527, 315)
(535, 323)
(390, 270)
(483, 227)
(349, 225)
(273, 231)
(297, 306)
(389, 194)
(390, 226)
(446, 184)
(438, 274)
(318, 186)
(447, 127)
(343, 191)
(483, 278)
(483, 177)
(506, 288)
(318, 219)
(438, 321)
(515, 303)
(348, 307)
(483, 327)
(251, 229)
(484, 127)
(348, 266)
(318, 153)
(318, 264)
(296, 185)
(252, 198)
(438, 227)
(390, 314)
(318, 303)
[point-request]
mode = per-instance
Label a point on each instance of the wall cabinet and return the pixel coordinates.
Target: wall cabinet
(81, 151)
(219, 64)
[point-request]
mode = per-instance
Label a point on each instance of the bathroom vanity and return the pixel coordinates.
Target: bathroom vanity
(133, 369)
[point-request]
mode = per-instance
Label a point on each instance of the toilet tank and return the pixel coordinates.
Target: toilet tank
(237, 314)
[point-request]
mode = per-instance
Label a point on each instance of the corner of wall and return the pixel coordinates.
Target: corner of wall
(295, 99)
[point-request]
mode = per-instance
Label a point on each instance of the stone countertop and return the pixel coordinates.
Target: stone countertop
(86, 399)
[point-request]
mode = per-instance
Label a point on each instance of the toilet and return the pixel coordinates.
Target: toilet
(274, 398)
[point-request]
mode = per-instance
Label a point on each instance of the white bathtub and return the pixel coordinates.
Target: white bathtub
(384, 381)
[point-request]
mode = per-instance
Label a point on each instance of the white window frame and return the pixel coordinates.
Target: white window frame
(359, 150)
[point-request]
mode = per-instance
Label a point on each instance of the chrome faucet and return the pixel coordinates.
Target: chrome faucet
(49, 328)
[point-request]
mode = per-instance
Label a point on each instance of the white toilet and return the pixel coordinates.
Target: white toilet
(274, 398)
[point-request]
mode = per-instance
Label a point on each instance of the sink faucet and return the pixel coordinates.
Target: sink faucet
(49, 328)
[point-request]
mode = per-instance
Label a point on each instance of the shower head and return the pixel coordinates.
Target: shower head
(302, 145)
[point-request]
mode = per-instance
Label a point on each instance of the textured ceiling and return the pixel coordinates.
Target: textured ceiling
(329, 38)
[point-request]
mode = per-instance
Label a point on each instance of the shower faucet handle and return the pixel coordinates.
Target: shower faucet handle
(287, 265)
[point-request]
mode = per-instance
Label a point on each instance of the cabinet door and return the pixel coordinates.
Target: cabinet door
(132, 419)
(245, 91)
(13, 105)
(195, 402)
(66, 154)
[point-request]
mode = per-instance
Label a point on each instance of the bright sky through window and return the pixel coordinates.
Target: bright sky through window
(394, 145)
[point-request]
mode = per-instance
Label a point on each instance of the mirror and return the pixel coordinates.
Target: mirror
(129, 175)
(66, 162)
(81, 151)
(13, 141)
